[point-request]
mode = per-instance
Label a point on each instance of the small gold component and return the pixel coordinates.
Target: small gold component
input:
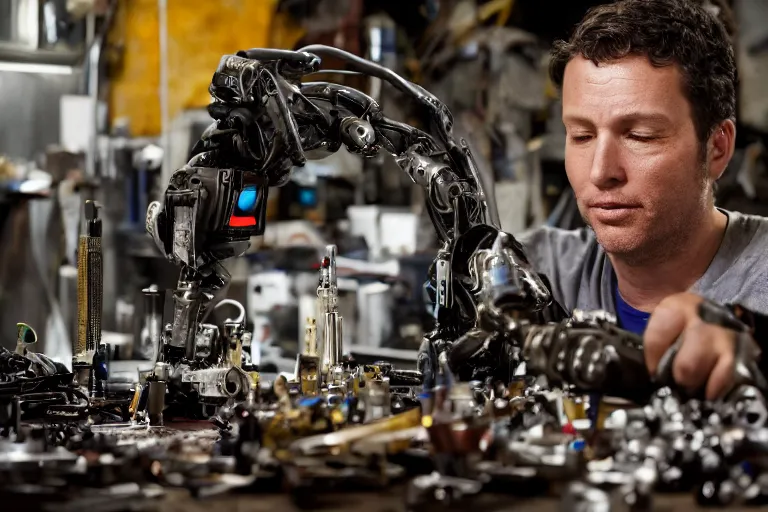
(337, 418)
(516, 388)
(306, 373)
(574, 408)
(135, 401)
(607, 406)
(345, 436)
(237, 353)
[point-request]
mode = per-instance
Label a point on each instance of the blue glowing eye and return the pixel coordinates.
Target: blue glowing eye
(246, 203)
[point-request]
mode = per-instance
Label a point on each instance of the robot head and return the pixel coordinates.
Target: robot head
(209, 215)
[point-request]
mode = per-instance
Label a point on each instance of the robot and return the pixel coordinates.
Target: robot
(268, 121)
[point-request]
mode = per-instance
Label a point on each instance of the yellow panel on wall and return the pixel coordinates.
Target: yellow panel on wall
(199, 33)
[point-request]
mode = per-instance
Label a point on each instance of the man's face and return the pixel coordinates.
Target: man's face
(632, 154)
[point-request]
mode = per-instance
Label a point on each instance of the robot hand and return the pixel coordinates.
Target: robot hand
(589, 354)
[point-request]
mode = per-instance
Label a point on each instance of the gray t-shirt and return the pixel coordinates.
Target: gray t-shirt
(582, 277)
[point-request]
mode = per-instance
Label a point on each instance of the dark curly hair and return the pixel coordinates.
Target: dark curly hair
(668, 32)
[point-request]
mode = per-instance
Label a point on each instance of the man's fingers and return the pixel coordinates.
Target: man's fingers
(705, 358)
(664, 327)
(721, 378)
(696, 358)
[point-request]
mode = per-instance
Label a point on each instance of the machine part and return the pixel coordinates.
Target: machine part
(589, 353)
(162, 371)
(100, 367)
(156, 402)
(443, 272)
(218, 384)
(307, 373)
(154, 305)
(377, 399)
(237, 383)
(231, 302)
(233, 343)
(83, 374)
(246, 341)
(206, 343)
(89, 295)
(26, 337)
(188, 301)
(328, 306)
(322, 444)
(333, 341)
(310, 337)
(133, 408)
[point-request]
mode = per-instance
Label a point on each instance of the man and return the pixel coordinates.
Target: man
(648, 96)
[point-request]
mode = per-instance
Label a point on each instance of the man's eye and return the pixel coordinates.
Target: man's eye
(641, 137)
(580, 138)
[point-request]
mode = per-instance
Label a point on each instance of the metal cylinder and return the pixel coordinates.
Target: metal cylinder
(188, 299)
(156, 402)
(235, 382)
(377, 399)
(154, 303)
(332, 346)
(90, 287)
(331, 253)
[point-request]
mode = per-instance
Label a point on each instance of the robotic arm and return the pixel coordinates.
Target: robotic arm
(267, 120)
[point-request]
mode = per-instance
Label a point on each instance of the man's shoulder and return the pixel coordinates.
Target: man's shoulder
(574, 263)
(558, 252)
(747, 221)
(739, 273)
(747, 234)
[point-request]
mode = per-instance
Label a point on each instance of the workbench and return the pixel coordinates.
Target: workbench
(391, 501)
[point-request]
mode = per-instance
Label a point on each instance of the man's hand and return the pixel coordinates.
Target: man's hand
(706, 356)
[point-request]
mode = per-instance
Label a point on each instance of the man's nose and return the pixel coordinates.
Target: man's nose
(607, 169)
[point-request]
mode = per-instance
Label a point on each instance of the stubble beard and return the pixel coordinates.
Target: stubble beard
(654, 247)
(660, 244)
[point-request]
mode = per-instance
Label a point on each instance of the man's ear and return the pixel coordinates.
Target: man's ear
(720, 148)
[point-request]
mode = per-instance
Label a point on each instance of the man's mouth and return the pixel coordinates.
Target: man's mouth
(612, 213)
(611, 205)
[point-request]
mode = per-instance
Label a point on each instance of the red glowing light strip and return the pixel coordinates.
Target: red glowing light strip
(241, 222)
